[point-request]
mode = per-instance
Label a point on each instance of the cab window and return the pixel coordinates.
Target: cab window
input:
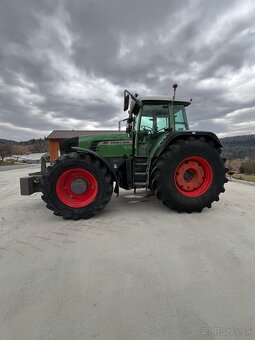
(180, 121)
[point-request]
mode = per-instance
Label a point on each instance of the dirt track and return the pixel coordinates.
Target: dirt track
(136, 271)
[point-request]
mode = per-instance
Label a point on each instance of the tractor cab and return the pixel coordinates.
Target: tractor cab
(152, 118)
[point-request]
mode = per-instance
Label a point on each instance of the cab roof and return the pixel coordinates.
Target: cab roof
(165, 99)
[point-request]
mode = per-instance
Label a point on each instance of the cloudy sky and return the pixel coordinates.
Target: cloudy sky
(65, 63)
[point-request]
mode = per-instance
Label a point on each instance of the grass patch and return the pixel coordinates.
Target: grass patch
(5, 163)
(11, 163)
(243, 177)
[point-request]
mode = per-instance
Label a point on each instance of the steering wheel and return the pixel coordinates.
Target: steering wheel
(147, 128)
(162, 129)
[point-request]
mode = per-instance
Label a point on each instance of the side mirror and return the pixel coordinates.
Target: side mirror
(126, 102)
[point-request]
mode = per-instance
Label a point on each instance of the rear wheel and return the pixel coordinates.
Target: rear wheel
(77, 186)
(189, 175)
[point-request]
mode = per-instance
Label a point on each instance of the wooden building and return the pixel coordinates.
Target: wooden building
(57, 136)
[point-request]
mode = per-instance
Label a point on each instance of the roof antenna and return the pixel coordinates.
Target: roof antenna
(174, 87)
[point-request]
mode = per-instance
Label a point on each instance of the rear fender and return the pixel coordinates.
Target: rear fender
(175, 135)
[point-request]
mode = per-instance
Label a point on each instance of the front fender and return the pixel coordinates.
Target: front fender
(103, 160)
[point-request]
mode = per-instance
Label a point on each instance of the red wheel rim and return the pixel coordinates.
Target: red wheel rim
(76, 188)
(193, 176)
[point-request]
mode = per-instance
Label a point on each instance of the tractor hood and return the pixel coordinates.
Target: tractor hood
(108, 145)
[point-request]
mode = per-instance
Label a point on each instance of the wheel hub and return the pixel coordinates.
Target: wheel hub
(193, 176)
(76, 187)
(79, 186)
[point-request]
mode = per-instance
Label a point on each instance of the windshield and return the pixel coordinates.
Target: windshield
(155, 117)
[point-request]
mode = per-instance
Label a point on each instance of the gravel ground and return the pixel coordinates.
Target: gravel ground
(136, 271)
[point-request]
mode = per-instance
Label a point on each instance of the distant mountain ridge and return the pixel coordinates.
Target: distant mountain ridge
(33, 145)
(7, 141)
(234, 147)
(27, 142)
(239, 146)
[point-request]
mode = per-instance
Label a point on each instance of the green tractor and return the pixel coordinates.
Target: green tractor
(158, 152)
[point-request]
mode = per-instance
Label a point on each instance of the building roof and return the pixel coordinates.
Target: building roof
(62, 134)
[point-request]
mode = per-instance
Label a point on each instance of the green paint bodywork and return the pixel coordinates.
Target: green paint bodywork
(155, 146)
(123, 146)
(137, 143)
(108, 145)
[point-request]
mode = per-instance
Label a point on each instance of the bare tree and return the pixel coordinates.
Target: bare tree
(5, 151)
(252, 165)
(18, 151)
(13, 151)
(248, 166)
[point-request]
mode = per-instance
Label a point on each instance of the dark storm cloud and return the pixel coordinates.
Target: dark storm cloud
(64, 64)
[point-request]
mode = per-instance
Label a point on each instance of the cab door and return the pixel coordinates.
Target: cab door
(151, 122)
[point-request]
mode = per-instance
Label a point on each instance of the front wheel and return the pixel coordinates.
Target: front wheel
(77, 186)
(189, 175)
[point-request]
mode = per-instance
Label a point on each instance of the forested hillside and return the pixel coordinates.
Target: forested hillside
(7, 141)
(10, 147)
(239, 146)
(34, 145)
